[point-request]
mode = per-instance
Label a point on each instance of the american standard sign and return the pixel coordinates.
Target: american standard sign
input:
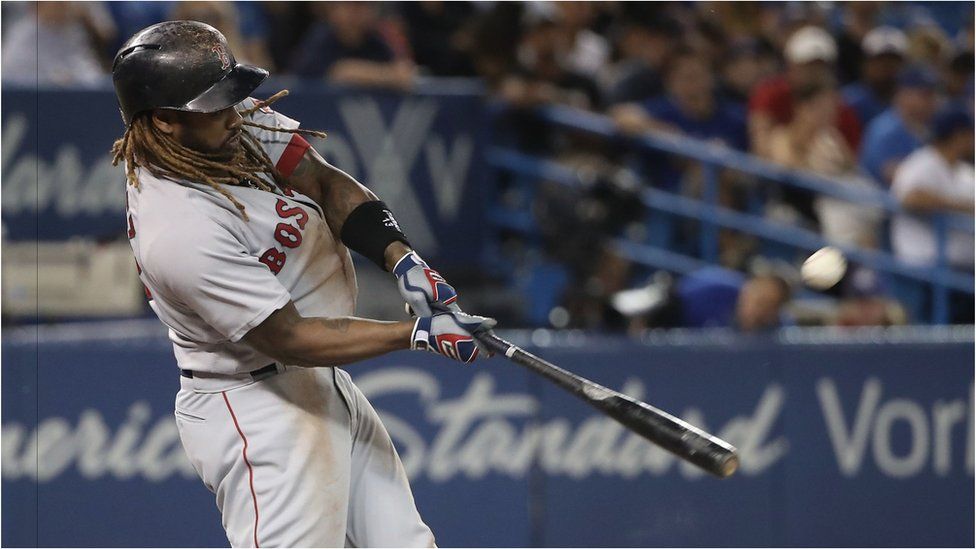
(484, 431)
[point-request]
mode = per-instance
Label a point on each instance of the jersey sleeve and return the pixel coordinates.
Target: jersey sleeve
(284, 148)
(205, 268)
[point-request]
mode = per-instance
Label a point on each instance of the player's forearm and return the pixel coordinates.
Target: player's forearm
(339, 194)
(336, 341)
(344, 195)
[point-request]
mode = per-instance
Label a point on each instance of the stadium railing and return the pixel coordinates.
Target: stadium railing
(940, 277)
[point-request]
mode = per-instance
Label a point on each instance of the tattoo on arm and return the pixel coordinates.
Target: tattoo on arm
(334, 190)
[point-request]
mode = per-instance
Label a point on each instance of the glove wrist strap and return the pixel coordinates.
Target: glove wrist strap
(420, 337)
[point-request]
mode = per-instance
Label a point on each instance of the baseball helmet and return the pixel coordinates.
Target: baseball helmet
(180, 65)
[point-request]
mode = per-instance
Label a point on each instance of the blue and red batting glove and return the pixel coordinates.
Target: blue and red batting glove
(451, 334)
(423, 288)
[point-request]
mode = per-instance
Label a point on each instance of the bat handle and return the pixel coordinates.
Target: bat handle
(496, 344)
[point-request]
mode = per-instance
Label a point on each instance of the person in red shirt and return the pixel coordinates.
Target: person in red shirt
(810, 55)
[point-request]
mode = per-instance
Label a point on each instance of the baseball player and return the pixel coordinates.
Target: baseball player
(241, 232)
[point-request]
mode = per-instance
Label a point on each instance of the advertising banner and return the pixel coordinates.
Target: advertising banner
(421, 153)
(841, 443)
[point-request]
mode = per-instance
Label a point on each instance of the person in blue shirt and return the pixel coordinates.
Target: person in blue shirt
(901, 129)
(884, 55)
(345, 46)
(689, 107)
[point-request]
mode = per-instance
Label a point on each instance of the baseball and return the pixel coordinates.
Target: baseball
(824, 268)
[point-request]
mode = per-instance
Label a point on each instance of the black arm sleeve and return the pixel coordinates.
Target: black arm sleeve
(369, 229)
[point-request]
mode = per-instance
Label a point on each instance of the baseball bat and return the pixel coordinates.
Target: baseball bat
(674, 435)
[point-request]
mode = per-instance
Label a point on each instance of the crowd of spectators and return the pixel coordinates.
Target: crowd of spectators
(871, 94)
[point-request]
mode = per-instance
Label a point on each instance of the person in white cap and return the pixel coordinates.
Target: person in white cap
(810, 54)
(884, 51)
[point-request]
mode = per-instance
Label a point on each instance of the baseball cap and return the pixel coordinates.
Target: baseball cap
(918, 77)
(949, 120)
(810, 43)
(882, 40)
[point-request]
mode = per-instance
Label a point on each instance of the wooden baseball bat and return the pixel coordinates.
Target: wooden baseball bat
(674, 435)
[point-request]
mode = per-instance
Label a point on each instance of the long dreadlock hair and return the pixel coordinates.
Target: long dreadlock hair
(144, 145)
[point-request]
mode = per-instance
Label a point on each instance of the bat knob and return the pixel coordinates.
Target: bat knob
(729, 465)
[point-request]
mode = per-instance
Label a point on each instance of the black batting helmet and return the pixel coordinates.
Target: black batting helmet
(180, 65)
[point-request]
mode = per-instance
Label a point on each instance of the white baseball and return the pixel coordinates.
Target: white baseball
(824, 268)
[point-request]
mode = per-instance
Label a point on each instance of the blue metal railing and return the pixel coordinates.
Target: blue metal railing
(712, 216)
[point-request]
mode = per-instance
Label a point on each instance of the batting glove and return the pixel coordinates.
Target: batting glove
(452, 335)
(423, 288)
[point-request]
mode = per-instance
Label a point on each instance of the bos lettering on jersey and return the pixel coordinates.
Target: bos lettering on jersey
(287, 233)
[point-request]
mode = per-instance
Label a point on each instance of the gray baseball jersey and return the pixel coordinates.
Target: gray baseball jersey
(295, 456)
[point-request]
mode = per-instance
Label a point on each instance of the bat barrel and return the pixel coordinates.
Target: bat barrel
(678, 437)
(675, 435)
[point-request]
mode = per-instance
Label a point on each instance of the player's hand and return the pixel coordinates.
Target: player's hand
(452, 335)
(423, 288)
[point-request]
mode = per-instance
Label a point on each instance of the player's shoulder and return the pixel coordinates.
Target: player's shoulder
(177, 223)
(174, 207)
(263, 114)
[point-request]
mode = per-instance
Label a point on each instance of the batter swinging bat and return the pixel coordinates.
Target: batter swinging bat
(681, 439)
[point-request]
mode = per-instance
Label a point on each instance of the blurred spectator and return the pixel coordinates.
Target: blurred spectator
(439, 36)
(740, 21)
(857, 20)
(495, 36)
(132, 16)
(811, 142)
(344, 44)
(864, 302)
(810, 53)
(884, 54)
(286, 23)
(959, 80)
(869, 310)
(57, 43)
(901, 129)
(761, 302)
(542, 75)
(587, 52)
(587, 299)
(708, 298)
(690, 106)
(644, 41)
(928, 44)
(743, 66)
(224, 17)
(935, 179)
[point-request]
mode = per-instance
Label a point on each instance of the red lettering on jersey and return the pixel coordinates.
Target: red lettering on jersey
(287, 235)
(274, 259)
(285, 211)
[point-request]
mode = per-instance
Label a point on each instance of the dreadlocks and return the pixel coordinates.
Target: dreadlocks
(144, 145)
